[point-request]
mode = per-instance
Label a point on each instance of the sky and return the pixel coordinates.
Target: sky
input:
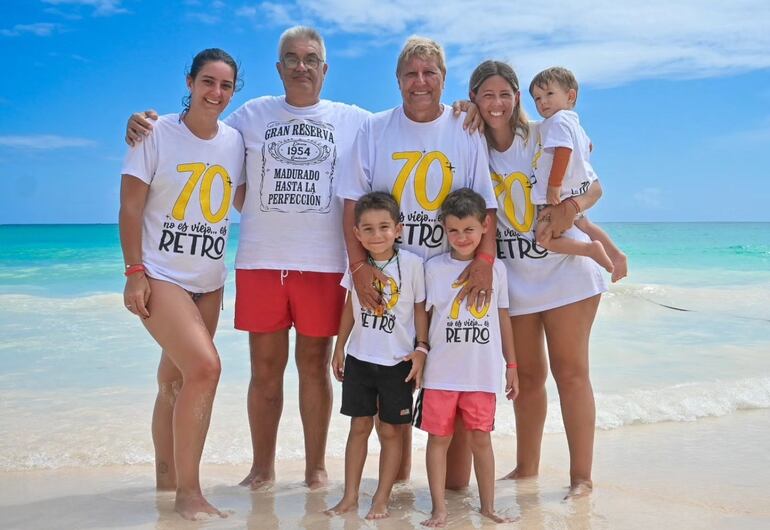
(675, 94)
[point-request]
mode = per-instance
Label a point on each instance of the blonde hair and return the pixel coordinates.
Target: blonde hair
(487, 69)
(301, 32)
(424, 48)
(556, 74)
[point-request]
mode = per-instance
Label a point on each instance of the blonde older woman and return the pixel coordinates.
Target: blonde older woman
(419, 152)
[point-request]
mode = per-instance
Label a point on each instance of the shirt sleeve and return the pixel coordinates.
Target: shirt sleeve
(428, 282)
(557, 131)
(241, 177)
(357, 181)
(141, 160)
(502, 285)
(346, 281)
(481, 179)
(418, 281)
(236, 119)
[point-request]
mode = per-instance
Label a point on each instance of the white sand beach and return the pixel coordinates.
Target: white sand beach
(713, 473)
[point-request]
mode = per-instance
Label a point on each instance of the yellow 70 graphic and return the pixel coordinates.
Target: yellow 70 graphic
(454, 313)
(198, 170)
(419, 163)
(505, 185)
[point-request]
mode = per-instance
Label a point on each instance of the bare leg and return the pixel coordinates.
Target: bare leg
(458, 476)
(619, 259)
(484, 464)
(435, 461)
(355, 458)
(568, 329)
(177, 324)
(573, 247)
(405, 466)
(169, 384)
(313, 355)
(269, 355)
(391, 440)
(532, 403)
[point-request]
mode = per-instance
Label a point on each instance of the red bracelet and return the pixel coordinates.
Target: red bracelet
(489, 258)
(511, 365)
(574, 204)
(133, 269)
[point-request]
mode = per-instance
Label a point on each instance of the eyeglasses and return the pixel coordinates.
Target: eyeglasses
(311, 61)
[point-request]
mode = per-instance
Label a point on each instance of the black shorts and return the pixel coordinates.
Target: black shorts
(368, 388)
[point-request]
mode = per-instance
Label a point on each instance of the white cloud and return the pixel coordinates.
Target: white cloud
(204, 18)
(602, 41)
(44, 142)
(102, 8)
(649, 198)
(41, 29)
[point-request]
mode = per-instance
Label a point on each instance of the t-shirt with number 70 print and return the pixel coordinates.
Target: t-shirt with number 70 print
(187, 212)
(419, 164)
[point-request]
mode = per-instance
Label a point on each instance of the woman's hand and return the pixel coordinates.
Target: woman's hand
(364, 274)
(476, 280)
(560, 218)
(136, 294)
(473, 121)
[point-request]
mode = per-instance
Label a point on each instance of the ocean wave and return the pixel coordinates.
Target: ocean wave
(119, 435)
(677, 403)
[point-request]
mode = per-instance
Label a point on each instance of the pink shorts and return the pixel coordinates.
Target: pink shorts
(269, 300)
(436, 411)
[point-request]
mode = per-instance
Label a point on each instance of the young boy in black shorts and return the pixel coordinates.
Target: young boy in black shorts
(383, 364)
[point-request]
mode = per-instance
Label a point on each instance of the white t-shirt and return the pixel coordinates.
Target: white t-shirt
(537, 279)
(563, 130)
(419, 164)
(384, 339)
(466, 351)
(186, 217)
(292, 218)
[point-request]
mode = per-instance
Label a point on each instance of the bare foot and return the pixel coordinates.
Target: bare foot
(619, 266)
(490, 514)
(194, 507)
(579, 489)
(379, 510)
(599, 255)
(516, 475)
(344, 506)
(256, 480)
(437, 519)
(316, 479)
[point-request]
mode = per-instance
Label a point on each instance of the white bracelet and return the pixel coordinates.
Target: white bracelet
(422, 349)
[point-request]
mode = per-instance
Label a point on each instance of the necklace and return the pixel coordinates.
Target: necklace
(395, 288)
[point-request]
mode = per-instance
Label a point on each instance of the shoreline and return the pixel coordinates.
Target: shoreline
(711, 473)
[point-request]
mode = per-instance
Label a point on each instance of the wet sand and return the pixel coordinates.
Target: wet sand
(713, 473)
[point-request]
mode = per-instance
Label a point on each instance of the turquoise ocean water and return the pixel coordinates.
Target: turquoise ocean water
(686, 336)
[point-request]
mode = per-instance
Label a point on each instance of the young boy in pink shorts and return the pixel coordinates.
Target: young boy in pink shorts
(464, 368)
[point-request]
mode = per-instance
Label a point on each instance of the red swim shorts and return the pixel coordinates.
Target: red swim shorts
(269, 300)
(436, 410)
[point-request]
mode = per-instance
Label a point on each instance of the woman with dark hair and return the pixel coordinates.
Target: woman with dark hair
(552, 296)
(176, 192)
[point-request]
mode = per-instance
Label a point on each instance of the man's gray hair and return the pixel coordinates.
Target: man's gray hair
(301, 32)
